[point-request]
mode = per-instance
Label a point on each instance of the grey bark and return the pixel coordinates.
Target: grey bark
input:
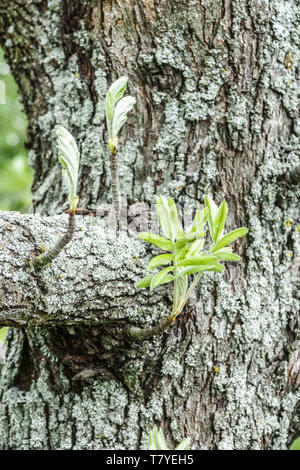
(217, 101)
(40, 261)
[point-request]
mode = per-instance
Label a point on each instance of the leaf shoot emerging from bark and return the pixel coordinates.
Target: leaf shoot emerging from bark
(117, 109)
(157, 441)
(69, 159)
(186, 250)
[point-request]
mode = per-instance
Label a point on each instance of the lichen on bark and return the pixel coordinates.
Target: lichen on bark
(216, 112)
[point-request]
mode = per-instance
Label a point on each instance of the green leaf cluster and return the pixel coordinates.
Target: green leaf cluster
(186, 249)
(69, 159)
(157, 441)
(117, 109)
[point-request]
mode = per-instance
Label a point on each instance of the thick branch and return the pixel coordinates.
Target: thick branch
(91, 281)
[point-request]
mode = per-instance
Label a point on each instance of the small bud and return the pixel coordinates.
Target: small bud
(69, 159)
(117, 109)
(113, 144)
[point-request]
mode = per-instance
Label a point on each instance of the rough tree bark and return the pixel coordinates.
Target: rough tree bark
(217, 100)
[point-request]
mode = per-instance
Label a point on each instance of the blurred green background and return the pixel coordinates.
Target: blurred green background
(3, 332)
(15, 175)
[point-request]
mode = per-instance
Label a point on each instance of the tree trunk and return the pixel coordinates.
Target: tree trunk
(217, 100)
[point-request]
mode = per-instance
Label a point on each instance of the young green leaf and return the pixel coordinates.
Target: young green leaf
(181, 253)
(184, 445)
(69, 159)
(164, 217)
(117, 109)
(189, 238)
(145, 282)
(156, 240)
(160, 260)
(218, 267)
(195, 248)
(166, 279)
(219, 221)
(159, 277)
(174, 218)
(120, 115)
(201, 268)
(180, 234)
(230, 237)
(211, 211)
(198, 222)
(157, 440)
(198, 260)
(227, 255)
(182, 288)
(114, 94)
